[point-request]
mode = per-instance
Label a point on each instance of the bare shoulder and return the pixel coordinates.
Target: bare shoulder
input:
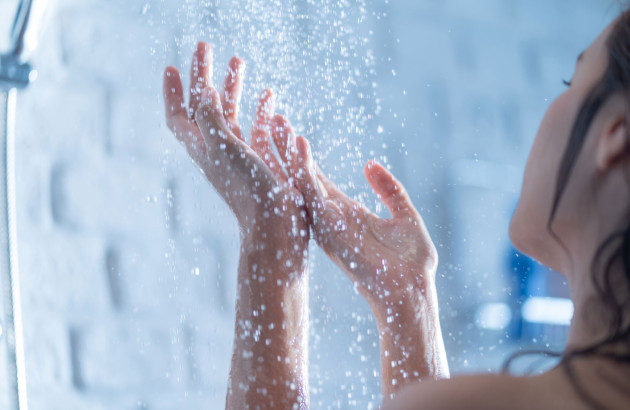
(548, 391)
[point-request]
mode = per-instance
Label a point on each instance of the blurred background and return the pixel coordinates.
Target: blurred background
(128, 257)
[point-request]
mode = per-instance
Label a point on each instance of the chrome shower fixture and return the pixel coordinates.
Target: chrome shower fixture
(27, 27)
(14, 74)
(15, 71)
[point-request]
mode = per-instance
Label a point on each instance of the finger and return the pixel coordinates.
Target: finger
(226, 152)
(390, 191)
(177, 120)
(307, 183)
(284, 139)
(339, 198)
(232, 91)
(209, 117)
(231, 166)
(330, 186)
(173, 97)
(220, 139)
(188, 133)
(200, 75)
(261, 134)
(262, 122)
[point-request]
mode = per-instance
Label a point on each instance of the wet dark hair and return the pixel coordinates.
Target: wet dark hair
(616, 79)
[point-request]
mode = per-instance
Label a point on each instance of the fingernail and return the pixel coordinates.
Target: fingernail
(202, 46)
(238, 65)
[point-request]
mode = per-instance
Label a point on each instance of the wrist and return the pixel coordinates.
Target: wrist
(406, 308)
(289, 233)
(271, 291)
(274, 246)
(272, 271)
(403, 285)
(410, 336)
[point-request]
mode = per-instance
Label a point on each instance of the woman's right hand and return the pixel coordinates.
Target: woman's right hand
(387, 259)
(392, 263)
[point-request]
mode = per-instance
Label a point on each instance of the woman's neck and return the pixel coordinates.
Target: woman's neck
(594, 312)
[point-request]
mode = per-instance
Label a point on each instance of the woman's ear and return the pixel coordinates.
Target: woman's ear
(613, 144)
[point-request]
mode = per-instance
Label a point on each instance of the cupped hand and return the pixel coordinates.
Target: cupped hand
(249, 177)
(387, 259)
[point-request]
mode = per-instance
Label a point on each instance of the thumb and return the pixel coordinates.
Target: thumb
(389, 190)
(209, 117)
(306, 181)
(225, 151)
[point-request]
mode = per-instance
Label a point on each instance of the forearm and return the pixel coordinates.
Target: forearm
(412, 348)
(270, 357)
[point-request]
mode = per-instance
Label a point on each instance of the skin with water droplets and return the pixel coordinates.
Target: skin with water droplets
(392, 263)
(272, 302)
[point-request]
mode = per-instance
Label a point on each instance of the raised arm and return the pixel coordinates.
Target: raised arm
(392, 262)
(270, 357)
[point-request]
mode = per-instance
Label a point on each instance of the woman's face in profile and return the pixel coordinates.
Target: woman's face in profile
(528, 227)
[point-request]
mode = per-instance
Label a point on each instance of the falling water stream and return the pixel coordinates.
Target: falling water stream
(317, 56)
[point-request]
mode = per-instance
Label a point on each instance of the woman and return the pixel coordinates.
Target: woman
(572, 216)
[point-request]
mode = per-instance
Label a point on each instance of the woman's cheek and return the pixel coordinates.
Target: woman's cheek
(529, 223)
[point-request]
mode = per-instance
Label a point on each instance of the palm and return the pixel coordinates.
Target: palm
(380, 255)
(248, 176)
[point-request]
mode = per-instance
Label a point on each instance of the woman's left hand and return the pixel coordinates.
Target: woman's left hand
(272, 301)
(249, 177)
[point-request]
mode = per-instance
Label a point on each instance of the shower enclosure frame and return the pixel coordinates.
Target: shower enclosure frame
(15, 73)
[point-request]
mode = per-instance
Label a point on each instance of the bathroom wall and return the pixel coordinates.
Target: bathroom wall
(128, 257)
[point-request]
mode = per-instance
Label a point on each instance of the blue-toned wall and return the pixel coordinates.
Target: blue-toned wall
(128, 257)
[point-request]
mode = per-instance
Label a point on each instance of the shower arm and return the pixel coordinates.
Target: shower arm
(15, 71)
(20, 27)
(26, 29)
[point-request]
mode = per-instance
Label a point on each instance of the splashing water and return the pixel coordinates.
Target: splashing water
(316, 55)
